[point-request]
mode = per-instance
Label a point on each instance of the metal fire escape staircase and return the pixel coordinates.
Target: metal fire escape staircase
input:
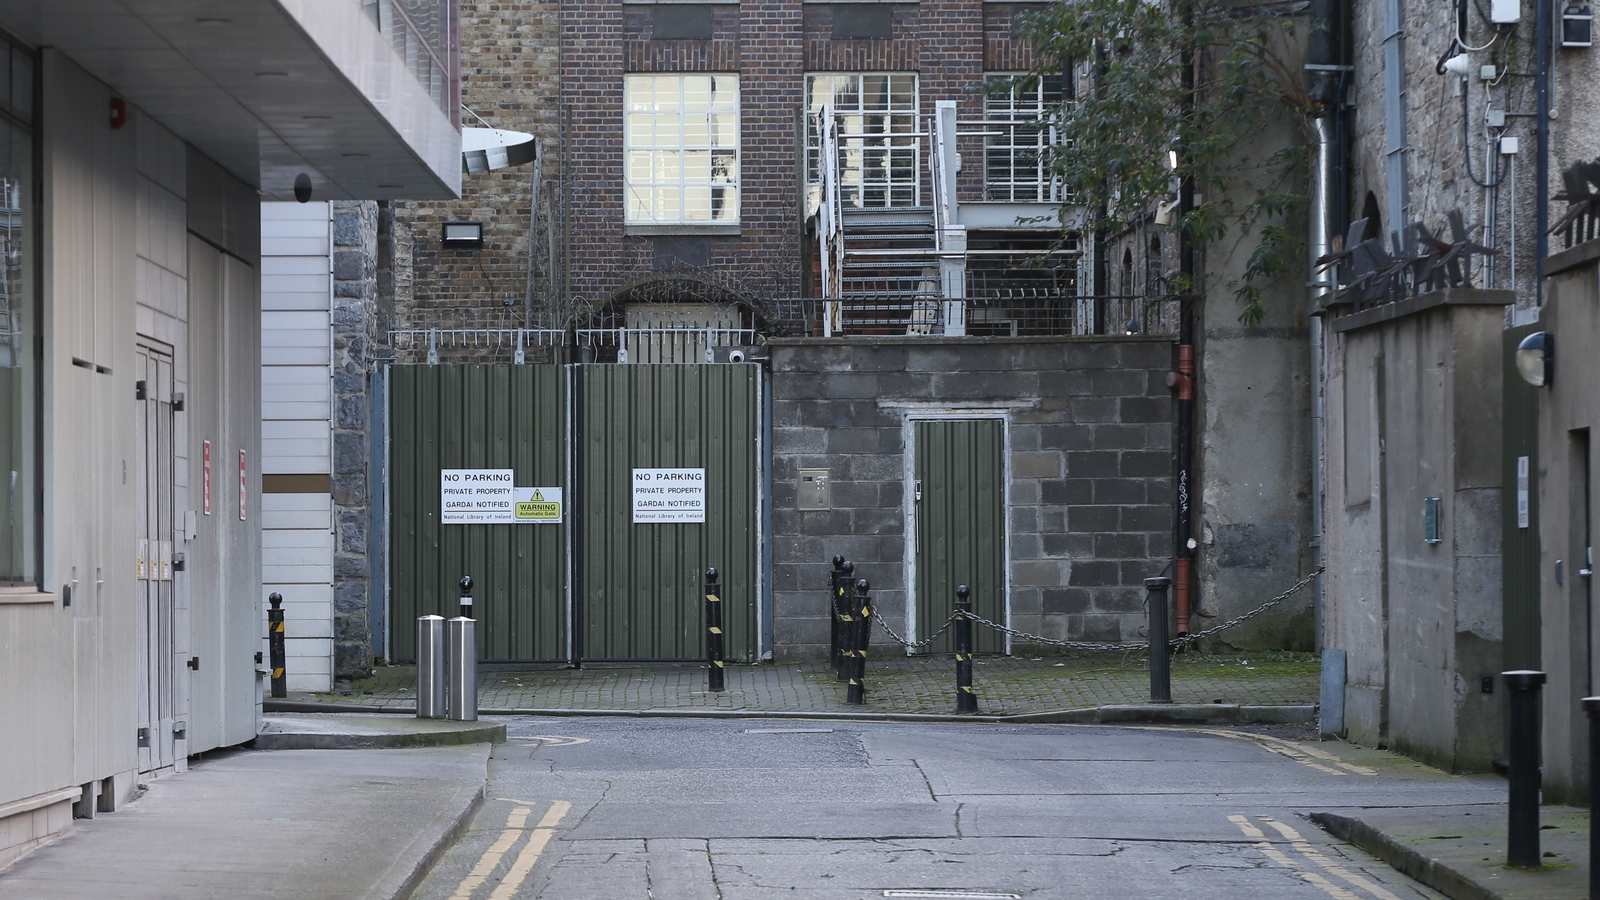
(894, 269)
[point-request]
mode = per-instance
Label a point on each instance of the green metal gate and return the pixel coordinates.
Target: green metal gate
(477, 417)
(639, 585)
(959, 492)
(1520, 545)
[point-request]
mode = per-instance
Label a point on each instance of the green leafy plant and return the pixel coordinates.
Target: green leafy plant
(1195, 83)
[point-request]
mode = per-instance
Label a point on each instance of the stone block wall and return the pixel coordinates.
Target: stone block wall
(1089, 506)
(356, 325)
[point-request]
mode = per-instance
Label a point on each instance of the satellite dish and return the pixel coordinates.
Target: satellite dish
(488, 149)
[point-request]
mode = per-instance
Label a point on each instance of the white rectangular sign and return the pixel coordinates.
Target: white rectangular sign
(476, 497)
(669, 495)
(1522, 492)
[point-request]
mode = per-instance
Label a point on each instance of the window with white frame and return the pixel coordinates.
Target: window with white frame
(880, 151)
(681, 138)
(1018, 136)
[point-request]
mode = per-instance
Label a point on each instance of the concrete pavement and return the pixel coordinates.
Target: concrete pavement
(336, 824)
(642, 808)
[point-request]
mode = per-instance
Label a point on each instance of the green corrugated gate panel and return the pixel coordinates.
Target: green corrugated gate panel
(477, 417)
(641, 584)
(1520, 546)
(960, 524)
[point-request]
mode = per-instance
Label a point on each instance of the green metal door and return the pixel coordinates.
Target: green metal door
(959, 495)
(639, 594)
(477, 417)
(1520, 547)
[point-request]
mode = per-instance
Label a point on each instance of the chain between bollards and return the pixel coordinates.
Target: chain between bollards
(715, 670)
(280, 681)
(835, 642)
(966, 700)
(1160, 659)
(1522, 823)
(860, 634)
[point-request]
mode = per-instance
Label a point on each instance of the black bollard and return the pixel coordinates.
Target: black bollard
(861, 634)
(1160, 662)
(966, 700)
(834, 577)
(1591, 705)
(714, 667)
(1522, 827)
(842, 607)
(280, 682)
(466, 597)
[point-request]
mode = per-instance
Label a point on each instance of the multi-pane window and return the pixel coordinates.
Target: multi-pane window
(1017, 138)
(19, 327)
(682, 145)
(880, 151)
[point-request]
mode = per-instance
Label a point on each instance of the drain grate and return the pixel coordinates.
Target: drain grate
(954, 894)
(788, 731)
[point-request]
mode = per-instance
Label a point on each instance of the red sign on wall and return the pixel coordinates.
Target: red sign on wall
(244, 493)
(206, 478)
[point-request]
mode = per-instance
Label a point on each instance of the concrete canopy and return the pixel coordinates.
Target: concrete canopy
(269, 89)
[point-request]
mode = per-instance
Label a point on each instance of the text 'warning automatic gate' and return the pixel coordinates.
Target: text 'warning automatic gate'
(585, 501)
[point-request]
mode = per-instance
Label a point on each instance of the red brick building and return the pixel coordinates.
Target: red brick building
(686, 177)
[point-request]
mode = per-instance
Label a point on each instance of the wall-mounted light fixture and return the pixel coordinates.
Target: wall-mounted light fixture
(1430, 520)
(1536, 357)
(462, 236)
(1577, 25)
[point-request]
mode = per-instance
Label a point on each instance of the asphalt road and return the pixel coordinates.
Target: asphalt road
(734, 809)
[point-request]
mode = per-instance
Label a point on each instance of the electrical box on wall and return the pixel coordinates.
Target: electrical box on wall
(1503, 12)
(813, 491)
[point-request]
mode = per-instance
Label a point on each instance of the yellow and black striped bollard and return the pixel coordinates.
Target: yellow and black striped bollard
(280, 686)
(714, 664)
(833, 611)
(861, 634)
(966, 700)
(843, 620)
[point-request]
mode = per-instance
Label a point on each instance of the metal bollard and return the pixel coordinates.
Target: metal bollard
(1591, 705)
(431, 689)
(715, 670)
(1522, 827)
(846, 618)
(861, 634)
(1160, 661)
(834, 652)
(966, 700)
(461, 659)
(280, 682)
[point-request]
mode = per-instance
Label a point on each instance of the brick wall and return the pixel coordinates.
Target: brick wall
(1089, 425)
(509, 73)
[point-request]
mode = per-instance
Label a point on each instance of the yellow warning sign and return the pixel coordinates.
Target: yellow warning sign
(538, 505)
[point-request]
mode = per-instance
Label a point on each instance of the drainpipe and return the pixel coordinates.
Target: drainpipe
(1183, 382)
(1543, 37)
(1326, 75)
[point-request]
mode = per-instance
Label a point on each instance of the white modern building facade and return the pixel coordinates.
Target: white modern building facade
(139, 284)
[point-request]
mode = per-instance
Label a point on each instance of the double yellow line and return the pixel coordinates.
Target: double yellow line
(1324, 865)
(522, 865)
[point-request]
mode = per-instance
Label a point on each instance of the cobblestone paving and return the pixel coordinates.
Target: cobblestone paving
(1005, 686)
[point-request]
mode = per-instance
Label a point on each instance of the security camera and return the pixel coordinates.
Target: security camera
(736, 356)
(302, 188)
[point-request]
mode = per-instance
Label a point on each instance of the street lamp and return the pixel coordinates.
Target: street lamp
(1536, 357)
